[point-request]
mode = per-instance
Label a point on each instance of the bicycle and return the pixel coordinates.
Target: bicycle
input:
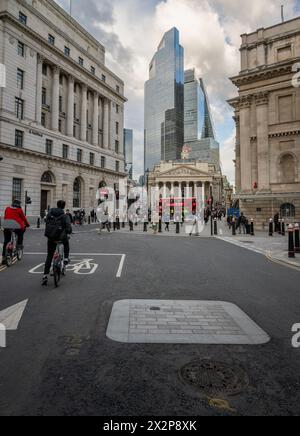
(12, 250)
(58, 263)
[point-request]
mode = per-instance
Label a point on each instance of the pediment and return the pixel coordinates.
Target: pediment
(184, 171)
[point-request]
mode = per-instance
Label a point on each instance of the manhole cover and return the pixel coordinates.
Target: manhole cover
(215, 378)
(155, 309)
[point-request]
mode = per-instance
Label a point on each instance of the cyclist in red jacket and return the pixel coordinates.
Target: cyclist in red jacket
(14, 213)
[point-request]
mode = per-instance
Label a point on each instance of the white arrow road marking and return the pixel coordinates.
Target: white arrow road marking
(11, 316)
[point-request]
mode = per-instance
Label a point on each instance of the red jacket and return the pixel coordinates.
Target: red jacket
(16, 214)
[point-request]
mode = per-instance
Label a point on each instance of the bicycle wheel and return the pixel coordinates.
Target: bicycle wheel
(56, 275)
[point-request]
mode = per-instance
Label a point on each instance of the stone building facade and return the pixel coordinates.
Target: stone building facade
(267, 116)
(181, 178)
(61, 110)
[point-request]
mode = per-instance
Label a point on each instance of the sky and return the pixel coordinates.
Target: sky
(210, 33)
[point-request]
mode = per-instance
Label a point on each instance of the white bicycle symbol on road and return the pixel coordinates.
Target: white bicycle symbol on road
(82, 267)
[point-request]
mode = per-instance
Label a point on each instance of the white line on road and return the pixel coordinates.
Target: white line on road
(119, 273)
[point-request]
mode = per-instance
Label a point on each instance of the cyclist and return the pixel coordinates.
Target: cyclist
(58, 228)
(14, 213)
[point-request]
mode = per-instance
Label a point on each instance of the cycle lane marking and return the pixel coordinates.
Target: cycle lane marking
(83, 264)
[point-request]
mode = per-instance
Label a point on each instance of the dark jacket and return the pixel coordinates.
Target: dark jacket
(66, 222)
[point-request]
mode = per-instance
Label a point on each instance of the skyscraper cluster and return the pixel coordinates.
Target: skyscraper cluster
(177, 110)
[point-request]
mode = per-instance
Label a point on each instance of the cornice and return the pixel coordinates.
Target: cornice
(264, 73)
(287, 133)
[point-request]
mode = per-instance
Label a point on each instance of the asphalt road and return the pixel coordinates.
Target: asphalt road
(59, 361)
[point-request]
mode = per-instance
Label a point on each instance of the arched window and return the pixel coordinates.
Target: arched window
(77, 193)
(287, 169)
(47, 177)
(287, 210)
(102, 184)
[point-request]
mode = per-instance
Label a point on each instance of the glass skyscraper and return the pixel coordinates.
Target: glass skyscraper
(128, 149)
(164, 102)
(199, 131)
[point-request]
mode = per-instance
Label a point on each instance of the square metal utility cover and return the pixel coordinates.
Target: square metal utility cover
(182, 322)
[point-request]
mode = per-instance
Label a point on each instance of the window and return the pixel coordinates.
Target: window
(117, 146)
(103, 162)
(44, 96)
(117, 166)
(117, 128)
(117, 108)
(80, 61)
(67, 51)
(43, 119)
(60, 103)
(75, 110)
(45, 70)
(21, 49)
(61, 80)
(47, 177)
(19, 108)
(60, 126)
(92, 159)
(118, 88)
(74, 131)
(77, 193)
(22, 18)
(17, 189)
(49, 146)
(79, 155)
(20, 79)
(51, 39)
(103, 77)
(19, 138)
(65, 151)
(93, 70)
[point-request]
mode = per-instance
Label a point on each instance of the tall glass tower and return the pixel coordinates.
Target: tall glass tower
(164, 102)
(128, 151)
(199, 131)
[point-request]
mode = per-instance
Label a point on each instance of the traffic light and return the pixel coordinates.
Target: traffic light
(194, 206)
(160, 207)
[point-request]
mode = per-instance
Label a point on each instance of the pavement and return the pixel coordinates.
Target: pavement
(59, 359)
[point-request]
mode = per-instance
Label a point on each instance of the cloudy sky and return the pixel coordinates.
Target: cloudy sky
(210, 33)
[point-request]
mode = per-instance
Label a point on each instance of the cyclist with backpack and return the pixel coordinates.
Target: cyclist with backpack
(58, 228)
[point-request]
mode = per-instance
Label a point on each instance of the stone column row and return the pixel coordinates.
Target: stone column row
(104, 102)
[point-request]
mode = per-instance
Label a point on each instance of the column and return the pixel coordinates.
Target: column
(237, 154)
(83, 127)
(106, 124)
(39, 85)
(262, 121)
(96, 120)
(172, 189)
(55, 98)
(70, 119)
(164, 190)
(246, 171)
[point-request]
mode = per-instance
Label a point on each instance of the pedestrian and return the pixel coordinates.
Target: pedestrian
(167, 222)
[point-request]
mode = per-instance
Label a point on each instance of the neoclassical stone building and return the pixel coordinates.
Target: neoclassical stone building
(61, 111)
(181, 178)
(267, 116)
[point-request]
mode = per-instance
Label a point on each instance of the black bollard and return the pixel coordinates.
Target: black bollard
(283, 227)
(160, 226)
(291, 242)
(177, 228)
(297, 239)
(215, 227)
(271, 228)
(233, 227)
(279, 227)
(38, 224)
(89, 220)
(123, 225)
(252, 227)
(145, 227)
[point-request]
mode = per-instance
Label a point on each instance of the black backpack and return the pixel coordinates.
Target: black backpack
(54, 227)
